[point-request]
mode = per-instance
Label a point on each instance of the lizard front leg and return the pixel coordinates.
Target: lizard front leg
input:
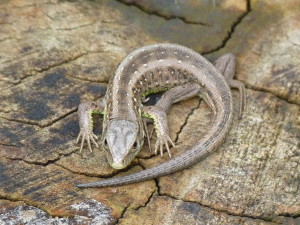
(85, 111)
(159, 111)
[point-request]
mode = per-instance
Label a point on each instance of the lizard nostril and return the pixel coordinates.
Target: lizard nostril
(105, 143)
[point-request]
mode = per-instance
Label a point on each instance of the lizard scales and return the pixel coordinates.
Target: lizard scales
(159, 67)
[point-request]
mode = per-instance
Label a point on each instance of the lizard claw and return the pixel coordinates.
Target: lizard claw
(87, 137)
(161, 141)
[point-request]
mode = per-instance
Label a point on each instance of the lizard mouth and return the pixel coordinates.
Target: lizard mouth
(118, 165)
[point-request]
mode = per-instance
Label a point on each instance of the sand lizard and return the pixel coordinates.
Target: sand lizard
(182, 73)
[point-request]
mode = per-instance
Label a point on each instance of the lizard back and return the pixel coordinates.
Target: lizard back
(157, 68)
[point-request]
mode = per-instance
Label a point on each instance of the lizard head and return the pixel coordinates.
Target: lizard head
(121, 142)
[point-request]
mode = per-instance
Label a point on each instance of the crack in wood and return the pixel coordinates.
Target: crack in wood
(114, 173)
(232, 29)
(165, 17)
(29, 122)
(186, 121)
(217, 210)
(122, 214)
(265, 90)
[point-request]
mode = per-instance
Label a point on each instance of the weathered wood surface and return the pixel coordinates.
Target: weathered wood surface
(54, 54)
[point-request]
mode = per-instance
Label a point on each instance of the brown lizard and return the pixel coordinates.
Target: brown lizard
(182, 73)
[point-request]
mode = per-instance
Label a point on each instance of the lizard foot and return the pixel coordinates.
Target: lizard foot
(161, 141)
(87, 137)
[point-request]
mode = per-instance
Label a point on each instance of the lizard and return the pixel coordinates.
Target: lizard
(182, 73)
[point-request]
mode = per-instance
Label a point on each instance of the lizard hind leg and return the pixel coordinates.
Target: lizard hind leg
(226, 64)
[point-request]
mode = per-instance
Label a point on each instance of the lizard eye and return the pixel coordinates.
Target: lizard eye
(135, 145)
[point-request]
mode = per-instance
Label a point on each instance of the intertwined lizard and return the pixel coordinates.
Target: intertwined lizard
(182, 73)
